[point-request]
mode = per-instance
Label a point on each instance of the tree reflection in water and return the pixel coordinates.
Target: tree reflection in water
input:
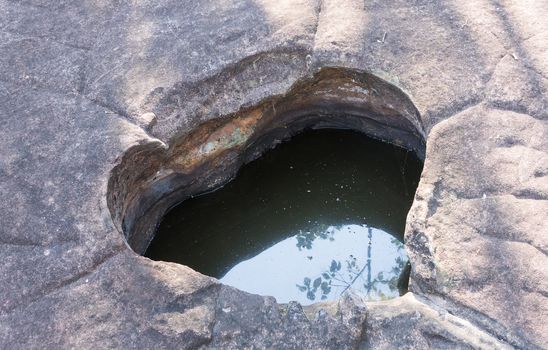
(306, 208)
(339, 276)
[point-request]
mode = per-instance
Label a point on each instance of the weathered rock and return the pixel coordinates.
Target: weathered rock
(419, 325)
(83, 83)
(478, 226)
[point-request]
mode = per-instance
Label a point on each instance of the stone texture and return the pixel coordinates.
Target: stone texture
(481, 238)
(79, 81)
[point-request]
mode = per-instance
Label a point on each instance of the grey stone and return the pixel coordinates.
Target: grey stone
(478, 226)
(83, 84)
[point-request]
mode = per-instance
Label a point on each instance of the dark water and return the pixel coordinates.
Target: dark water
(319, 214)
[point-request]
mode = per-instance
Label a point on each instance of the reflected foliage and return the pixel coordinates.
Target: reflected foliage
(321, 284)
(357, 275)
(306, 238)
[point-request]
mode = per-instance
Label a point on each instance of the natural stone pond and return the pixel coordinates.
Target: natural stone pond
(318, 214)
(121, 117)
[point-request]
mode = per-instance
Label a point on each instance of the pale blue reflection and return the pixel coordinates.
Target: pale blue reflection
(310, 267)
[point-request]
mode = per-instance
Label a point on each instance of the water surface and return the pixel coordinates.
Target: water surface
(317, 215)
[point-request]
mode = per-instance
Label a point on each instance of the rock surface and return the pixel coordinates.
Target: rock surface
(81, 82)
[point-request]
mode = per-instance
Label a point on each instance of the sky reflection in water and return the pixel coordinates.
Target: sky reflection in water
(326, 269)
(301, 210)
